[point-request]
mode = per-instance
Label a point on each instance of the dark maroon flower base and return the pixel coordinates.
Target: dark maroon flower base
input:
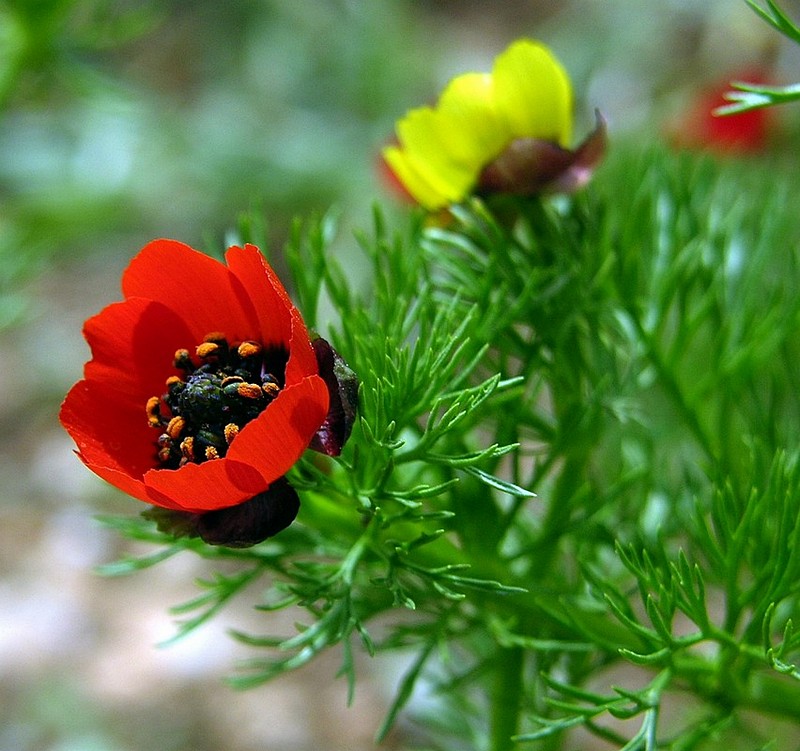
(240, 526)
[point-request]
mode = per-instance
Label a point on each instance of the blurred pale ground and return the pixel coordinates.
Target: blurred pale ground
(169, 123)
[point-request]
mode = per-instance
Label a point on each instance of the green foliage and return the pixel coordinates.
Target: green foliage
(49, 57)
(630, 356)
(776, 18)
(49, 44)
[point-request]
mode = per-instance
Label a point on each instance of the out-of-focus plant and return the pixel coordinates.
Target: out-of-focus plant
(48, 46)
(51, 55)
(702, 127)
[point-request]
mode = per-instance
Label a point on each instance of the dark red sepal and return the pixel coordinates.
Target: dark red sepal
(240, 526)
(530, 165)
(342, 385)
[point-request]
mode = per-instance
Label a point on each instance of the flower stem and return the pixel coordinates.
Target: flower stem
(505, 698)
(675, 392)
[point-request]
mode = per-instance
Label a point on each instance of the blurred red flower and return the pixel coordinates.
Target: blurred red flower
(743, 132)
(203, 389)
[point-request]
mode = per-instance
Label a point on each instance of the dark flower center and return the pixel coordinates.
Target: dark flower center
(222, 388)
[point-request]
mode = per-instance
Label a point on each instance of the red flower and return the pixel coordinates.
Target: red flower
(740, 133)
(203, 389)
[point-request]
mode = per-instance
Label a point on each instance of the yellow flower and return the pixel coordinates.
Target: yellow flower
(516, 119)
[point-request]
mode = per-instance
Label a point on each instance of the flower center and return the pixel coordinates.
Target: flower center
(222, 388)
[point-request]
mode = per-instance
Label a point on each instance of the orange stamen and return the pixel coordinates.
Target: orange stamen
(183, 359)
(187, 448)
(249, 390)
(175, 427)
(231, 430)
(249, 349)
(207, 349)
(153, 410)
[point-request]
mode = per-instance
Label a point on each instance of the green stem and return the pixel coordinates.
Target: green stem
(759, 689)
(772, 694)
(559, 510)
(505, 698)
(674, 390)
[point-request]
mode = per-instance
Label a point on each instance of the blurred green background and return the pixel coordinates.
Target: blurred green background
(121, 121)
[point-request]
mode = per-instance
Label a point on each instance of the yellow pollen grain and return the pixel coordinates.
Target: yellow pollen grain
(207, 349)
(249, 349)
(175, 427)
(271, 389)
(187, 447)
(231, 430)
(152, 408)
(211, 453)
(249, 390)
(173, 380)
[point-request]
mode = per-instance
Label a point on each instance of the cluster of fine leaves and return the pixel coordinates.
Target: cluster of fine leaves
(655, 324)
(571, 499)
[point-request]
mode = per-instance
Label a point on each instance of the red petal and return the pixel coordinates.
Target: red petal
(115, 444)
(199, 289)
(302, 360)
(277, 438)
(204, 487)
(268, 297)
(281, 323)
(133, 344)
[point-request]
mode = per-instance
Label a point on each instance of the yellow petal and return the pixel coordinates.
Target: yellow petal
(443, 150)
(418, 187)
(474, 130)
(423, 136)
(533, 92)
